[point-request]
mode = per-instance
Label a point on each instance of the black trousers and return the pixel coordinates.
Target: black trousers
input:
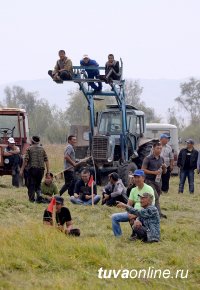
(35, 176)
(165, 180)
(69, 183)
(112, 74)
(140, 233)
(64, 75)
(157, 190)
(14, 163)
(112, 200)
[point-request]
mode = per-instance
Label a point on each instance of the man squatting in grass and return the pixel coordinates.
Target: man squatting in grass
(146, 227)
(114, 191)
(134, 201)
(63, 218)
(48, 188)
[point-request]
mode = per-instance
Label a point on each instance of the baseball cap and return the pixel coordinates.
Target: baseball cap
(190, 141)
(85, 56)
(146, 194)
(59, 199)
(164, 135)
(11, 140)
(138, 172)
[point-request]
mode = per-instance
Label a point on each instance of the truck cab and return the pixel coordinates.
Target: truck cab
(13, 123)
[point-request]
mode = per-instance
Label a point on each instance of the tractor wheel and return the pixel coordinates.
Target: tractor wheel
(143, 151)
(124, 170)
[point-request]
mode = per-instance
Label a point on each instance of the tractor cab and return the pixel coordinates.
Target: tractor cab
(13, 123)
(108, 139)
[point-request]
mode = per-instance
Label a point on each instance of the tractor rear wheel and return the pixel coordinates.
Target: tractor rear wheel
(124, 171)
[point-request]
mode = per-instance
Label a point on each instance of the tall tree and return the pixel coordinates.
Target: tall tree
(44, 120)
(17, 97)
(77, 111)
(133, 93)
(189, 99)
(175, 119)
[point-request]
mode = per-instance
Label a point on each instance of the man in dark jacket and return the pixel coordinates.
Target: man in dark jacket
(83, 190)
(147, 225)
(112, 68)
(187, 162)
(92, 73)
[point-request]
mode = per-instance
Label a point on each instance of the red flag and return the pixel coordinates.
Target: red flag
(51, 204)
(90, 183)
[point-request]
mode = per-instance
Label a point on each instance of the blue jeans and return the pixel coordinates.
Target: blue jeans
(93, 85)
(189, 173)
(88, 202)
(116, 219)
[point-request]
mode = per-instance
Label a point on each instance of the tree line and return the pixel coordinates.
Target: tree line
(53, 124)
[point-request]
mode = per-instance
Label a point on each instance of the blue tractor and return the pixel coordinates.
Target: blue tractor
(116, 140)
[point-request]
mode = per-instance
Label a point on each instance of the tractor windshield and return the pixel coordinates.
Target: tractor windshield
(10, 126)
(110, 123)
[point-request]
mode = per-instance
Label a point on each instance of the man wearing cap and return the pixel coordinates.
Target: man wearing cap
(114, 191)
(154, 166)
(35, 160)
(187, 162)
(63, 69)
(63, 218)
(147, 224)
(134, 201)
(168, 156)
(92, 73)
(12, 160)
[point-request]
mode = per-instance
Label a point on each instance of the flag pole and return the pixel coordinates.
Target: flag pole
(54, 213)
(93, 193)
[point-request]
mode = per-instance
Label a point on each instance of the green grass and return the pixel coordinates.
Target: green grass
(33, 256)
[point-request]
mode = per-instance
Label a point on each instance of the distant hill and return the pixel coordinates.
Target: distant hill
(159, 94)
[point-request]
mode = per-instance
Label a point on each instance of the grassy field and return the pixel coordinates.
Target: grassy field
(33, 256)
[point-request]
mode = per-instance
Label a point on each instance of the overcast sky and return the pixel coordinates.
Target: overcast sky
(155, 38)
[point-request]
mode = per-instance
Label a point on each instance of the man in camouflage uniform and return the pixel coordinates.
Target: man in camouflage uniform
(35, 159)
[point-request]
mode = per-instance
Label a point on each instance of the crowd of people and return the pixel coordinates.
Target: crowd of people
(141, 199)
(63, 70)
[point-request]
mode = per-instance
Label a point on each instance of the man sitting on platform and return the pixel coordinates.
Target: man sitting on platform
(112, 69)
(63, 69)
(92, 73)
